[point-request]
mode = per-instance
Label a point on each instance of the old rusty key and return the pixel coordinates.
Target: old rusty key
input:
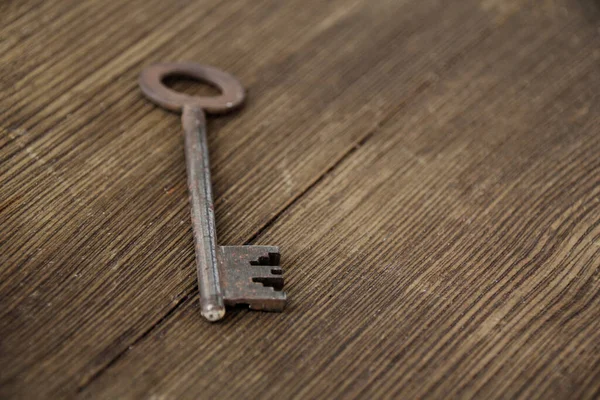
(227, 275)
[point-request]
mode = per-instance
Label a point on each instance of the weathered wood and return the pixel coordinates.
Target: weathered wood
(437, 200)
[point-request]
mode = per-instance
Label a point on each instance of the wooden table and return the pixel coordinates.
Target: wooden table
(430, 170)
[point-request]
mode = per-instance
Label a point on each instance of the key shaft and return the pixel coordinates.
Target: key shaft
(202, 212)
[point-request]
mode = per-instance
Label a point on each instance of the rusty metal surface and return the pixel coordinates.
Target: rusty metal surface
(227, 275)
(259, 286)
(151, 82)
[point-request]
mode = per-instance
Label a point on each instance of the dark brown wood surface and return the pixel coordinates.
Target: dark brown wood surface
(430, 170)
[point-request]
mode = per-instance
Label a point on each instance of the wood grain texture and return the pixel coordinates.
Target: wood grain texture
(429, 170)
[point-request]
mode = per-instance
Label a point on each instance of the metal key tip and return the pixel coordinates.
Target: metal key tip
(212, 312)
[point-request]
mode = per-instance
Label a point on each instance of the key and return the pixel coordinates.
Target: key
(227, 275)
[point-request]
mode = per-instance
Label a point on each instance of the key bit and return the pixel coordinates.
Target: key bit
(252, 275)
(227, 275)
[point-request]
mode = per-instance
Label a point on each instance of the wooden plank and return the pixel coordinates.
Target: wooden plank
(96, 246)
(454, 254)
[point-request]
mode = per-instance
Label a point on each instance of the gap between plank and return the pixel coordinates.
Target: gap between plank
(123, 352)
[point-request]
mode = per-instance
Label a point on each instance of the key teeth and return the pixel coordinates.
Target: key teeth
(269, 277)
(276, 302)
(258, 266)
(264, 299)
(266, 270)
(271, 258)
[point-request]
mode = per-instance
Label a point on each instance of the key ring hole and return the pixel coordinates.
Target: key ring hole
(154, 78)
(191, 86)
